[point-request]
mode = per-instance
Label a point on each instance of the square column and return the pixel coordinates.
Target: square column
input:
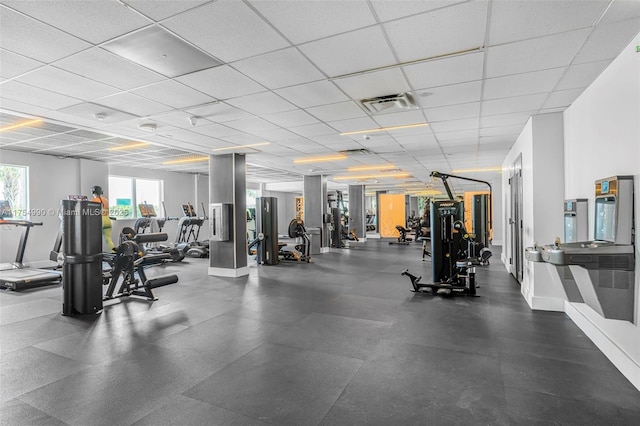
(357, 217)
(227, 215)
(315, 208)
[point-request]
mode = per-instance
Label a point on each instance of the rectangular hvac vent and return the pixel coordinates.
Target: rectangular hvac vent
(389, 103)
(357, 151)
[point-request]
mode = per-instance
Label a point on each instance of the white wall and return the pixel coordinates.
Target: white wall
(602, 139)
(286, 208)
(51, 180)
(541, 146)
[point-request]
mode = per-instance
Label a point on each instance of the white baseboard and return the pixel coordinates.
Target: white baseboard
(623, 362)
(229, 273)
(325, 250)
(547, 304)
(373, 236)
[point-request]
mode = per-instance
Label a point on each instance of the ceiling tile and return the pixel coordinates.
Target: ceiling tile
(339, 111)
(399, 118)
(562, 98)
(102, 66)
(581, 75)
(607, 41)
(370, 85)
(222, 82)
(450, 95)
(269, 71)
(93, 21)
(516, 104)
(388, 10)
(505, 119)
(245, 139)
(251, 125)
(14, 65)
(532, 55)
(179, 119)
(161, 9)
(132, 104)
(521, 84)
(621, 10)
(351, 52)
(291, 118)
(67, 83)
(313, 130)
(261, 103)
(312, 94)
(454, 125)
(275, 135)
(302, 21)
(35, 95)
(215, 130)
(453, 112)
(354, 124)
(514, 129)
(443, 31)
(24, 35)
(220, 28)
(174, 94)
(520, 20)
(440, 72)
(219, 112)
(470, 137)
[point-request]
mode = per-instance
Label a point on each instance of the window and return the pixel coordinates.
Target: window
(125, 193)
(14, 187)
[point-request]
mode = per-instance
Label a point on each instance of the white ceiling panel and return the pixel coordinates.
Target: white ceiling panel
(450, 126)
(400, 118)
(14, 65)
(452, 29)
(64, 82)
(302, 21)
(505, 119)
(354, 124)
(351, 52)
(521, 84)
(413, 140)
(339, 111)
(450, 95)
(562, 98)
(388, 10)
(161, 9)
(107, 68)
(512, 130)
(509, 105)
(174, 94)
(581, 75)
(267, 69)
(520, 20)
(313, 130)
(621, 10)
(132, 104)
(35, 95)
(94, 21)
(246, 139)
(88, 111)
(215, 130)
(180, 119)
(278, 135)
(470, 136)
(313, 94)
(533, 55)
(219, 112)
(24, 35)
(441, 72)
(222, 82)
(261, 103)
(251, 125)
(607, 41)
(290, 119)
(453, 112)
(221, 28)
(370, 85)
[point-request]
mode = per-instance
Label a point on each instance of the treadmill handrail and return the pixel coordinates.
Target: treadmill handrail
(17, 222)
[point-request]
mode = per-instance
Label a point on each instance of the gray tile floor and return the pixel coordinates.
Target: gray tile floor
(341, 341)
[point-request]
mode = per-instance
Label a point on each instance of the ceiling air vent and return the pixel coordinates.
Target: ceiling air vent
(357, 151)
(389, 103)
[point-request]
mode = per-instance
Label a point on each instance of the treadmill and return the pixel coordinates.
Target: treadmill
(17, 276)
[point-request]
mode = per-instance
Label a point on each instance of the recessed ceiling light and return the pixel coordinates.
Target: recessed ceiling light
(129, 146)
(378, 167)
(156, 48)
(187, 160)
(333, 157)
(384, 129)
(386, 175)
(251, 145)
(21, 124)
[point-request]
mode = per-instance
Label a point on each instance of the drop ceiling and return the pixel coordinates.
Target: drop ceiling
(241, 72)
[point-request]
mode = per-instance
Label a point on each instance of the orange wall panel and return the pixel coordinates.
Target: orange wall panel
(392, 213)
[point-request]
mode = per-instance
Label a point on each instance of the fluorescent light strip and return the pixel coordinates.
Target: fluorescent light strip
(129, 146)
(241, 146)
(364, 168)
(486, 169)
(336, 157)
(387, 175)
(384, 129)
(186, 160)
(22, 124)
